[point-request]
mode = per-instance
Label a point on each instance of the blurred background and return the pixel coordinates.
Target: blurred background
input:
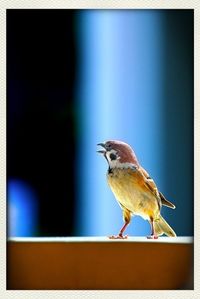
(79, 77)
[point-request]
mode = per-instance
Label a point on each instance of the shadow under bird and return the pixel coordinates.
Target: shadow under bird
(134, 189)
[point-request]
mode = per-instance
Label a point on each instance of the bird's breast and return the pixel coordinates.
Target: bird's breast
(131, 192)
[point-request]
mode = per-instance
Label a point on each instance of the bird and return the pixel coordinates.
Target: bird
(135, 191)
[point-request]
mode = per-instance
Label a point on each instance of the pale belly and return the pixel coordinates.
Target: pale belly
(132, 195)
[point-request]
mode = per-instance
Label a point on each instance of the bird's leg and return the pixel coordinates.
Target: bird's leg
(153, 234)
(120, 235)
(127, 218)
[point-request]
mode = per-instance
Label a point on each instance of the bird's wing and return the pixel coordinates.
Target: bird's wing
(149, 182)
(152, 186)
(166, 202)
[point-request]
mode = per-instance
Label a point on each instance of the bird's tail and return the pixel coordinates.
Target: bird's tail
(162, 227)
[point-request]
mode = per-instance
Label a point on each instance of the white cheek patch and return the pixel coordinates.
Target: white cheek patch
(112, 162)
(116, 163)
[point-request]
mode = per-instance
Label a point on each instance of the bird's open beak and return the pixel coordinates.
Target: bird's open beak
(102, 151)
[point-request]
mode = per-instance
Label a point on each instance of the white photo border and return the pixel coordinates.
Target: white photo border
(99, 4)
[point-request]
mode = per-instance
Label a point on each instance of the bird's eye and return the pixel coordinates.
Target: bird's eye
(108, 147)
(113, 156)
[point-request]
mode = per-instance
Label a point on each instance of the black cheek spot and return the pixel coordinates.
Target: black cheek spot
(113, 156)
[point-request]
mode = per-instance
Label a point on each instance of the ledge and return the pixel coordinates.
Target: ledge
(98, 263)
(179, 240)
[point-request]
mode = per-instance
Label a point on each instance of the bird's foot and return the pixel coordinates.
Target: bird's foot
(152, 237)
(118, 237)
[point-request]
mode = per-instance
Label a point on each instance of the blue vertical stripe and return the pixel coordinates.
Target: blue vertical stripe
(120, 98)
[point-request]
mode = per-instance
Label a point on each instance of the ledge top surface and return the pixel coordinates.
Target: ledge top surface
(177, 240)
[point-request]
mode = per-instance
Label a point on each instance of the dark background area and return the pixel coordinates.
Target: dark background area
(41, 61)
(179, 113)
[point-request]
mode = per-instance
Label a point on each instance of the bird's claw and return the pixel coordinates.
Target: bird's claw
(118, 237)
(152, 237)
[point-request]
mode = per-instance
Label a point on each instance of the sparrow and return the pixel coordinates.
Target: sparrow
(135, 191)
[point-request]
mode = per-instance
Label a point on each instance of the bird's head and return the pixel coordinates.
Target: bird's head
(118, 154)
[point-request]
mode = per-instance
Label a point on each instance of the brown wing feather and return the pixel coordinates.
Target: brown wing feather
(166, 202)
(152, 186)
(149, 182)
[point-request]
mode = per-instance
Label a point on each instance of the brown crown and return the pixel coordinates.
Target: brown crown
(124, 151)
